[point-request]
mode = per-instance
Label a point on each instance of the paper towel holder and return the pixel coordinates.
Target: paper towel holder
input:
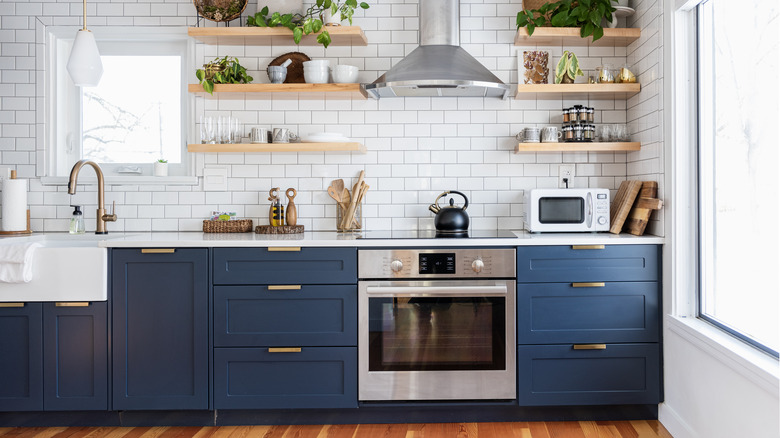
(21, 232)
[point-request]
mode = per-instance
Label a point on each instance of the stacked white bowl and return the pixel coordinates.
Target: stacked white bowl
(316, 71)
(345, 74)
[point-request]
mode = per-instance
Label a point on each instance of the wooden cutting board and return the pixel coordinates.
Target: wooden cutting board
(643, 207)
(621, 206)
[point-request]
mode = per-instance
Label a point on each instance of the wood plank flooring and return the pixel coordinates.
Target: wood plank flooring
(548, 429)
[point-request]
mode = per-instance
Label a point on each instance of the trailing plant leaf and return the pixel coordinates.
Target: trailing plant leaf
(585, 14)
(225, 70)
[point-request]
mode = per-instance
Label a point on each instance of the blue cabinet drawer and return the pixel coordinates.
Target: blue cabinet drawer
(309, 377)
(311, 315)
(555, 313)
(272, 266)
(561, 375)
(588, 263)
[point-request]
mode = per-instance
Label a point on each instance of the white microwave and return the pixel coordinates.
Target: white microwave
(566, 210)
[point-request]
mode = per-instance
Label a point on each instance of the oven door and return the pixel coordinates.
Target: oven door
(437, 340)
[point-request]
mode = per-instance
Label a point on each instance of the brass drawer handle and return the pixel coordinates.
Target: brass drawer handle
(284, 248)
(158, 250)
(590, 346)
(73, 304)
(284, 350)
(587, 247)
(11, 304)
(284, 287)
(596, 284)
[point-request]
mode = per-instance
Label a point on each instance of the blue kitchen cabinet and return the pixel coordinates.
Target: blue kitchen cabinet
(285, 265)
(21, 357)
(75, 350)
(160, 329)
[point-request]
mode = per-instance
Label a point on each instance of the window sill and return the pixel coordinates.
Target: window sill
(125, 180)
(749, 362)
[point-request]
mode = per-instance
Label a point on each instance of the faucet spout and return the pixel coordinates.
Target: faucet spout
(102, 217)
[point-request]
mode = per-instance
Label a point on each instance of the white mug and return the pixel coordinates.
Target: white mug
(528, 135)
(258, 135)
(284, 135)
(550, 134)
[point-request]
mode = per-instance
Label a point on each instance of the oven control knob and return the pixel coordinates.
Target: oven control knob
(477, 265)
(602, 220)
(396, 265)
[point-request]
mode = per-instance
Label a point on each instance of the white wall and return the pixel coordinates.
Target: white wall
(417, 147)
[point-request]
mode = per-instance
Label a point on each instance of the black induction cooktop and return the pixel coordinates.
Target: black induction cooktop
(433, 234)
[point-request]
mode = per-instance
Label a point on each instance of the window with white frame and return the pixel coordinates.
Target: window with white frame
(137, 113)
(738, 159)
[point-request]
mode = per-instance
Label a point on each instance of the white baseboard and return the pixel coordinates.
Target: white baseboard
(674, 423)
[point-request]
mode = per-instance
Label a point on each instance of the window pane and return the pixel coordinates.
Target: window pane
(134, 114)
(738, 169)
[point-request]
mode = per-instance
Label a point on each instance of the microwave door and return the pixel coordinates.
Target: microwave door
(589, 211)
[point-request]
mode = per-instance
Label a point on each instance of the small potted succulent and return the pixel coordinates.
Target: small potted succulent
(161, 167)
(568, 69)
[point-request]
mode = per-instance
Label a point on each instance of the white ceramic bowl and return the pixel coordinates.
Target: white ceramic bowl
(317, 63)
(315, 77)
(345, 74)
(316, 69)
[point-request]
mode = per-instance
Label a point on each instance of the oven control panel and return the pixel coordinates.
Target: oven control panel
(444, 263)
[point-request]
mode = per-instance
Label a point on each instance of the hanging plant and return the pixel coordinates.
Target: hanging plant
(309, 22)
(585, 14)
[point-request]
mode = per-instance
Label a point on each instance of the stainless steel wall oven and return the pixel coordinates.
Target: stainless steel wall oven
(436, 324)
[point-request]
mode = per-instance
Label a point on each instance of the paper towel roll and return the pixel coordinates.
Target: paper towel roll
(14, 205)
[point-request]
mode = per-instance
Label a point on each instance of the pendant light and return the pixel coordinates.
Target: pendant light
(84, 65)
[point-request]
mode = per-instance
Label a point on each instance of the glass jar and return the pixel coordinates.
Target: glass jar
(589, 113)
(568, 133)
(566, 118)
(589, 133)
(578, 132)
(357, 223)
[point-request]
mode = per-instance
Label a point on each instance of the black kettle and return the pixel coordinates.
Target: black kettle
(450, 218)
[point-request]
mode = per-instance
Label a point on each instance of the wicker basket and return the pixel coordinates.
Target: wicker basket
(220, 11)
(234, 226)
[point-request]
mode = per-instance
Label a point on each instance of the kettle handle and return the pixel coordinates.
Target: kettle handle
(457, 193)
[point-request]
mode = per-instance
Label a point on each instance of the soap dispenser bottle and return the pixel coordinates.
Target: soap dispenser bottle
(77, 221)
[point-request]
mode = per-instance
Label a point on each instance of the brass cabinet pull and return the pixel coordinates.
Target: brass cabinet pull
(587, 247)
(284, 287)
(11, 304)
(590, 346)
(284, 248)
(284, 349)
(73, 304)
(596, 284)
(158, 250)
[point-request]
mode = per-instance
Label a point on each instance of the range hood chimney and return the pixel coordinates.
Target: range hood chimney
(439, 66)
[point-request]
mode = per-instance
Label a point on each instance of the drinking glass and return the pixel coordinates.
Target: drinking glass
(620, 132)
(207, 130)
(605, 133)
(223, 129)
(235, 130)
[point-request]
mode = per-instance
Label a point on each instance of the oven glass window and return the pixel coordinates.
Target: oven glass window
(562, 210)
(431, 334)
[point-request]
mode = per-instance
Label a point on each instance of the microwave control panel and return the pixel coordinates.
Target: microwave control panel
(602, 208)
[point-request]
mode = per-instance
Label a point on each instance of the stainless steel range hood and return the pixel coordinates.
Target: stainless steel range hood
(439, 66)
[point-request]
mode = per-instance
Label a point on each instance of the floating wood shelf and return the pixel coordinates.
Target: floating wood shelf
(278, 147)
(347, 89)
(570, 36)
(265, 36)
(578, 147)
(576, 91)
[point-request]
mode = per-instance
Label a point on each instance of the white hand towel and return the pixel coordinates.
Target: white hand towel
(16, 262)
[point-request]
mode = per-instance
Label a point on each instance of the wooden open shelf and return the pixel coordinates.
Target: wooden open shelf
(576, 91)
(578, 147)
(265, 36)
(278, 147)
(570, 36)
(347, 89)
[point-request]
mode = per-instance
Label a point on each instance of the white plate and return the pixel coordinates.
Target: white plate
(623, 11)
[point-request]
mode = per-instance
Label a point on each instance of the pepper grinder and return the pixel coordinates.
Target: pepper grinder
(276, 213)
(292, 212)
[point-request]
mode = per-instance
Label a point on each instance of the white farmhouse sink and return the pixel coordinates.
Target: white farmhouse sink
(66, 268)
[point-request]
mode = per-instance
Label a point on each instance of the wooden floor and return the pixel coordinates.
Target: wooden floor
(561, 429)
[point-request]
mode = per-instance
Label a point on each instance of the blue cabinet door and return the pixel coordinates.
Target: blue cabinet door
(266, 378)
(267, 266)
(555, 313)
(311, 315)
(21, 357)
(561, 375)
(160, 329)
(579, 263)
(75, 345)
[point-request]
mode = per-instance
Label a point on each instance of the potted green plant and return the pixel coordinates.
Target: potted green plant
(310, 21)
(568, 69)
(585, 14)
(161, 167)
(225, 70)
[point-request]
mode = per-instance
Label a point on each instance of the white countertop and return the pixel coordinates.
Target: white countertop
(333, 239)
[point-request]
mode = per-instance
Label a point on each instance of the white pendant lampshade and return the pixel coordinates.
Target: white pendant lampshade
(84, 65)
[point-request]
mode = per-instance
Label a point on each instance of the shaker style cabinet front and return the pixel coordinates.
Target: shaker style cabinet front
(21, 357)
(160, 328)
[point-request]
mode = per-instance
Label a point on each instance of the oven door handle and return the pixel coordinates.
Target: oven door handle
(474, 291)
